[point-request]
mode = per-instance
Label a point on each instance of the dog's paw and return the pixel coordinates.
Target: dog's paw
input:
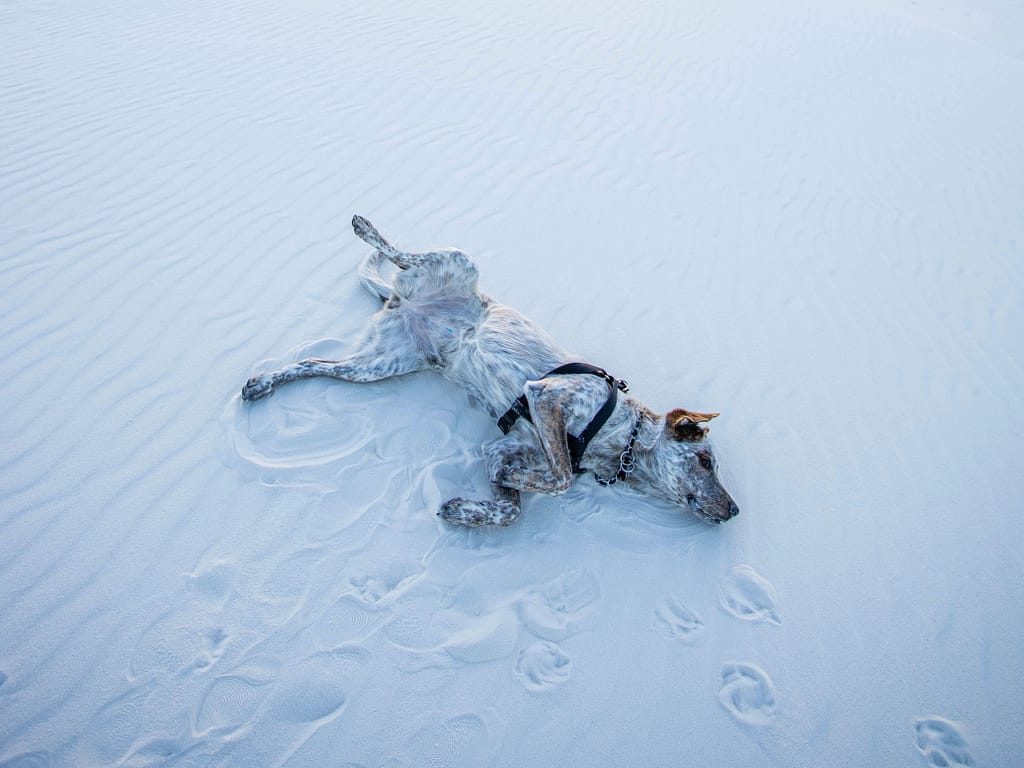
(475, 514)
(258, 387)
(366, 232)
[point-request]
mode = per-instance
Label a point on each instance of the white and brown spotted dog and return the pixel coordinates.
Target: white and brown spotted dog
(435, 318)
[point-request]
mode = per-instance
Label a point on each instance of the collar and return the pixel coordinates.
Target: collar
(627, 463)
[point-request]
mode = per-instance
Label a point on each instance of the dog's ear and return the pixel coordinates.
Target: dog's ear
(681, 424)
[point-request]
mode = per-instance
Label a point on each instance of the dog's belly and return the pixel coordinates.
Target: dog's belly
(495, 359)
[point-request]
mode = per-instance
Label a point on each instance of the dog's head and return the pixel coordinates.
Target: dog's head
(685, 469)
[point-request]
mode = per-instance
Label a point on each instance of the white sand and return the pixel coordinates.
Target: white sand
(809, 219)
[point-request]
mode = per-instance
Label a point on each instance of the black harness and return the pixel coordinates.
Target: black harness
(577, 444)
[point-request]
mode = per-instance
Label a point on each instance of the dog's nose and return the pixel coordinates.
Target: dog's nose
(733, 509)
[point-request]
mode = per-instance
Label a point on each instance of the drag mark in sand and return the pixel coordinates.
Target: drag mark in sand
(940, 743)
(492, 637)
(749, 596)
(747, 693)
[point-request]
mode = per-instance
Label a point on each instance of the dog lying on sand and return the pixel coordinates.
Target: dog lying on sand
(559, 418)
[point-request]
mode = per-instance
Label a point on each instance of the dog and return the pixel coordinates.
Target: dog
(559, 418)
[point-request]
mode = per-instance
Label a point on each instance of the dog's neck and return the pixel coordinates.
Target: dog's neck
(604, 452)
(652, 425)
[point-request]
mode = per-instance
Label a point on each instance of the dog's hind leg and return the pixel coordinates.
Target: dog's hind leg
(448, 272)
(385, 352)
(369, 234)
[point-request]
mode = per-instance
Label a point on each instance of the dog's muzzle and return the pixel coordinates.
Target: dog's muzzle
(730, 512)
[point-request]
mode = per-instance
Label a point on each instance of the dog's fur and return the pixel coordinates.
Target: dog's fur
(435, 318)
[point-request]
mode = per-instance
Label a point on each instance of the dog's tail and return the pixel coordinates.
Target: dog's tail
(369, 276)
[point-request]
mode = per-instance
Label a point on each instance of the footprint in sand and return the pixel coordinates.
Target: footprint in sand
(346, 620)
(308, 698)
(747, 693)
(462, 740)
(170, 644)
(228, 704)
(543, 666)
(677, 621)
(179, 640)
(940, 743)
(749, 596)
(552, 610)
(316, 688)
(489, 637)
(232, 699)
(385, 579)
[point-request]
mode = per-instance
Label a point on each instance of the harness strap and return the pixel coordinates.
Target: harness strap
(577, 444)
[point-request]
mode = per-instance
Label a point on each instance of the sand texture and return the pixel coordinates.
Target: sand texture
(809, 218)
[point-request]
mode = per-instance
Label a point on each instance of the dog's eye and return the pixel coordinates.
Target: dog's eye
(705, 460)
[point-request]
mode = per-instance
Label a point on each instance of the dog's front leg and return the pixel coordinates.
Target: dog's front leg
(518, 463)
(547, 409)
(502, 511)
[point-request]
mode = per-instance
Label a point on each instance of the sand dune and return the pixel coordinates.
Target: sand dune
(807, 219)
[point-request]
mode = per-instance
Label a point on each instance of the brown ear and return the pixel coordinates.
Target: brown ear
(681, 424)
